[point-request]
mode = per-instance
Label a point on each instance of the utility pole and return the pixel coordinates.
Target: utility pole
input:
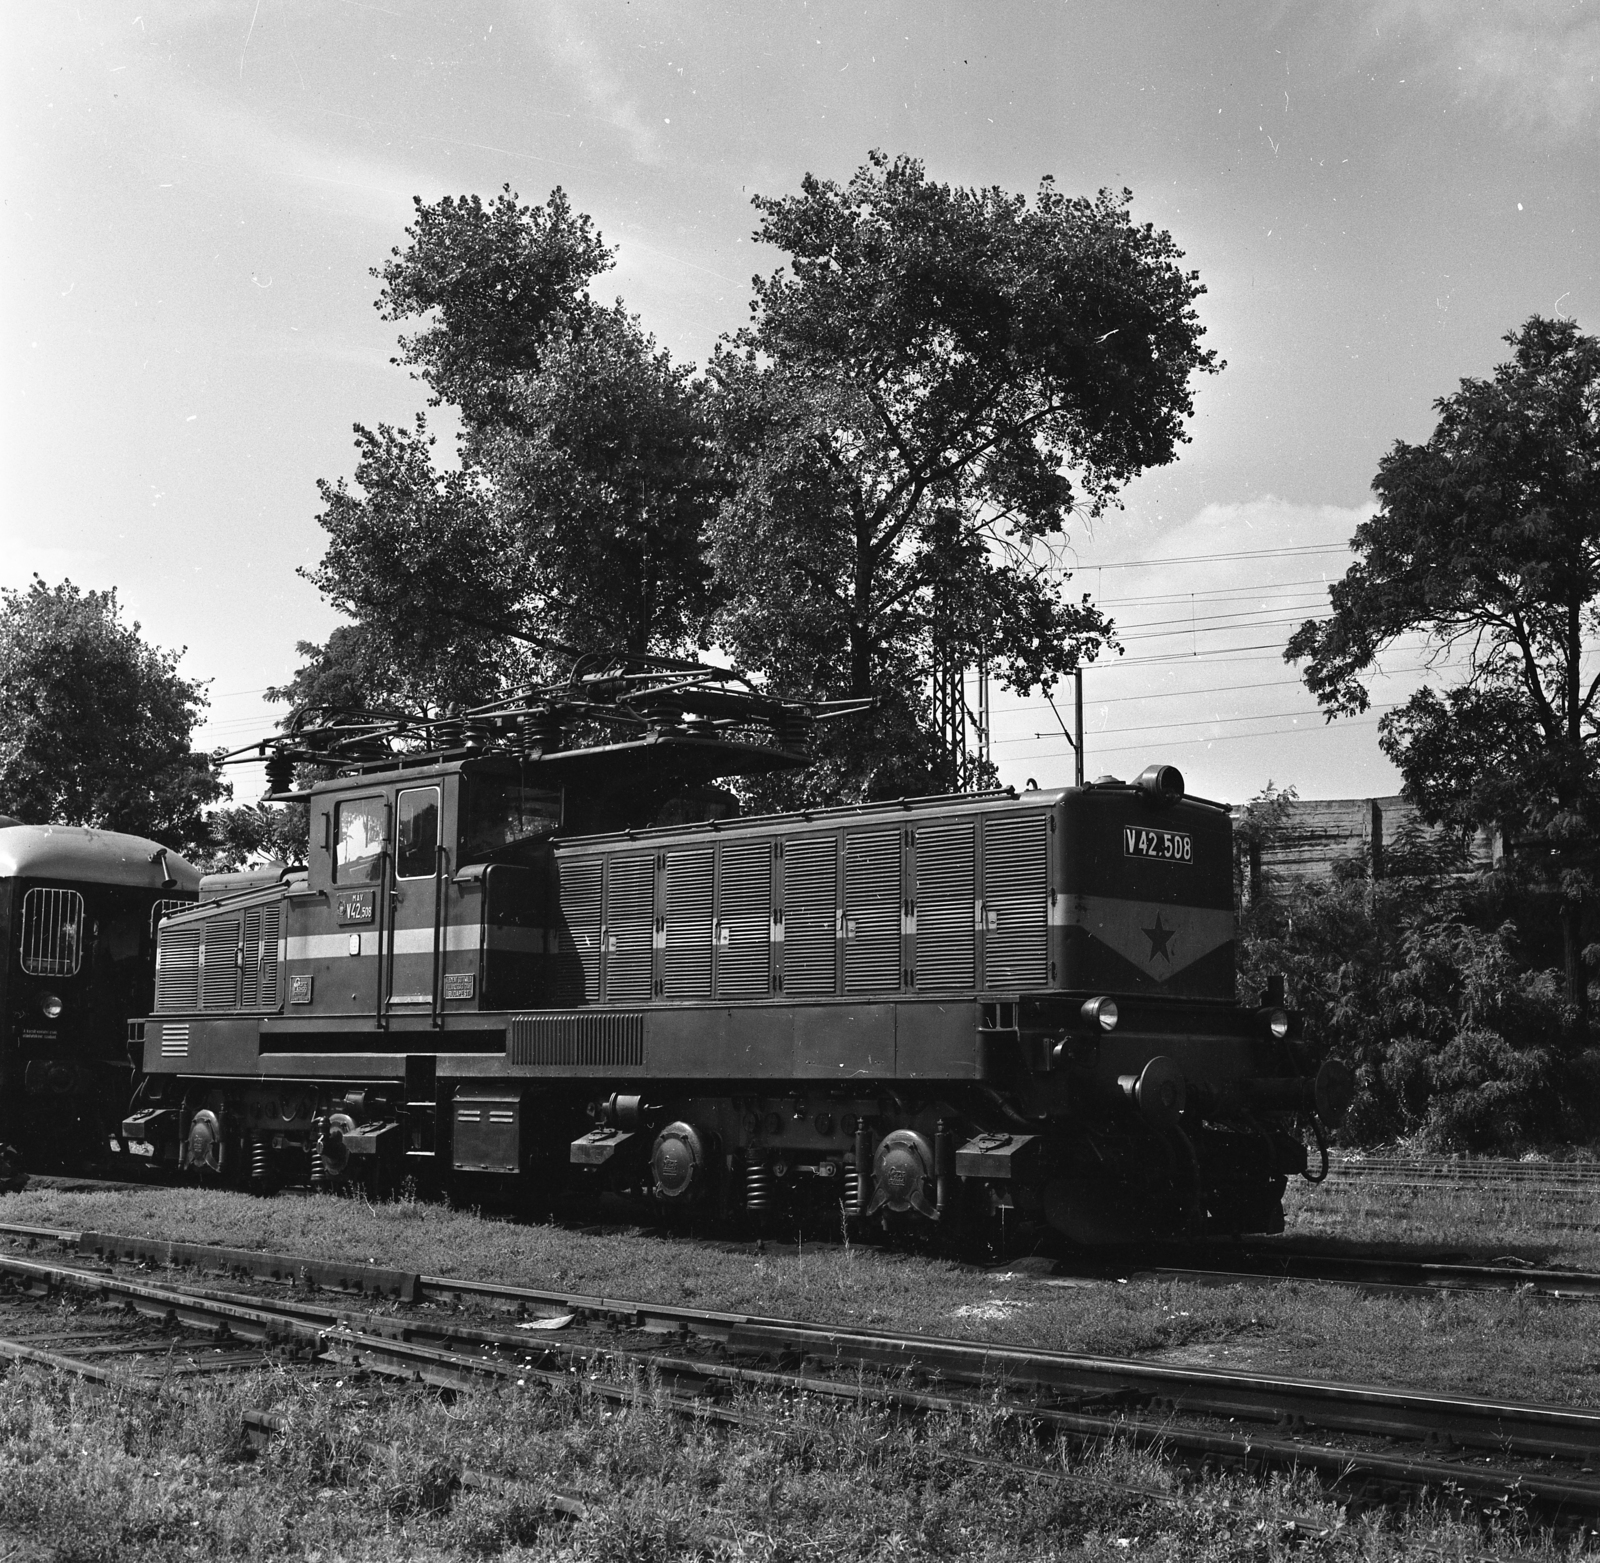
(1077, 701)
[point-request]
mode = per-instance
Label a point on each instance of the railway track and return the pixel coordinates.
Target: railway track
(730, 1368)
(1575, 1179)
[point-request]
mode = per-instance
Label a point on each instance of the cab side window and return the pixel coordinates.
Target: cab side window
(358, 829)
(417, 833)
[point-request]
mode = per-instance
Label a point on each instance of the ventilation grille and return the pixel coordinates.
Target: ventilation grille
(258, 987)
(947, 861)
(178, 969)
(686, 970)
(810, 927)
(578, 978)
(872, 911)
(219, 964)
(630, 919)
(165, 908)
(590, 1039)
(175, 1039)
(744, 920)
(52, 932)
(1016, 899)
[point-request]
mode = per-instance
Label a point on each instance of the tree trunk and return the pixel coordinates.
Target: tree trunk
(1576, 972)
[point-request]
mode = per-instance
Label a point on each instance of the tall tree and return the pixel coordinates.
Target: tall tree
(938, 381)
(1487, 542)
(572, 518)
(96, 724)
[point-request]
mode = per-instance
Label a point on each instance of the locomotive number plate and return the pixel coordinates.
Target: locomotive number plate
(354, 906)
(1169, 846)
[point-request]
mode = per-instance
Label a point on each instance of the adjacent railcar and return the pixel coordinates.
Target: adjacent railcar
(939, 1010)
(78, 915)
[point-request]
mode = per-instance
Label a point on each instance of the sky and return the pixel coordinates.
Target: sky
(193, 192)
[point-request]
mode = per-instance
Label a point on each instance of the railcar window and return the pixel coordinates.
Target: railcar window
(357, 839)
(416, 833)
(500, 814)
(52, 932)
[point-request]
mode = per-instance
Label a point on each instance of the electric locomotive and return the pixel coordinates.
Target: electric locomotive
(78, 915)
(527, 952)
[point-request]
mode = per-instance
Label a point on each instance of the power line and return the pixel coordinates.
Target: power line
(1298, 551)
(1214, 721)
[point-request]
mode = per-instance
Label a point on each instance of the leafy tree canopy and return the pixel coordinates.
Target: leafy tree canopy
(1487, 541)
(492, 285)
(585, 474)
(95, 723)
(937, 382)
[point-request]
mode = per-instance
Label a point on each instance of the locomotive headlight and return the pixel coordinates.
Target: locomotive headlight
(1101, 1012)
(50, 1005)
(1278, 1023)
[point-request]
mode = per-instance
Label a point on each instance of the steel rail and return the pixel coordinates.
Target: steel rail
(1361, 1409)
(383, 1345)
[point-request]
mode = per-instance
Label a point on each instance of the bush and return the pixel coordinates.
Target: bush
(1422, 982)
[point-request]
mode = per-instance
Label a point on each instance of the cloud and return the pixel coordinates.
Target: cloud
(1537, 61)
(583, 63)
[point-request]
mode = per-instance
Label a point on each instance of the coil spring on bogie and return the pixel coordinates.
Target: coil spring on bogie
(757, 1186)
(851, 1196)
(258, 1158)
(319, 1172)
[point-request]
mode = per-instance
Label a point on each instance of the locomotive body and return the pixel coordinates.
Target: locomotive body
(930, 1010)
(78, 915)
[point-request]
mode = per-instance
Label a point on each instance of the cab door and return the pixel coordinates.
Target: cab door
(416, 942)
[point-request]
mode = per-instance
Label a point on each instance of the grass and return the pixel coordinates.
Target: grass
(91, 1477)
(1546, 1226)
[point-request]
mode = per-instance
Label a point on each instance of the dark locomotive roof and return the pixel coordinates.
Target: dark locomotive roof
(107, 857)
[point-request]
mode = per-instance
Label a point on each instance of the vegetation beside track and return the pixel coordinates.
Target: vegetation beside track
(362, 1473)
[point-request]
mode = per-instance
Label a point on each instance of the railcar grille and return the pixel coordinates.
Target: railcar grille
(744, 920)
(259, 973)
(686, 969)
(220, 960)
(52, 932)
(580, 913)
(872, 911)
(947, 862)
(175, 1039)
(178, 969)
(1016, 900)
(590, 1039)
(810, 928)
(630, 918)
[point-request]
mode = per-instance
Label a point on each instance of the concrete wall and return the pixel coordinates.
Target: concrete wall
(1323, 831)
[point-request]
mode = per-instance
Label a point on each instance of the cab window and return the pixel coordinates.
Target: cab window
(358, 825)
(416, 832)
(498, 815)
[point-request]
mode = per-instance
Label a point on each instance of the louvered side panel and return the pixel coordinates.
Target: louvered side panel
(250, 964)
(810, 915)
(947, 875)
(577, 976)
(219, 964)
(690, 887)
(178, 970)
(872, 911)
(744, 920)
(630, 922)
(1016, 900)
(267, 959)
